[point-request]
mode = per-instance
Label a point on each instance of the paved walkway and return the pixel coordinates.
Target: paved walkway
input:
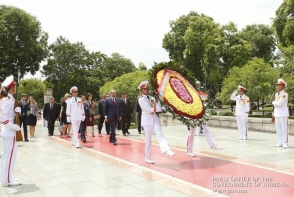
(50, 166)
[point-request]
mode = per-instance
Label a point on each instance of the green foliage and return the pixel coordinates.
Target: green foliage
(284, 23)
(259, 116)
(262, 40)
(257, 76)
(142, 66)
(226, 113)
(213, 112)
(23, 45)
(207, 49)
(33, 87)
(115, 66)
(71, 64)
(127, 83)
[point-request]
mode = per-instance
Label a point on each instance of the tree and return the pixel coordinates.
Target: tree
(23, 45)
(33, 87)
(115, 66)
(257, 76)
(284, 23)
(127, 83)
(71, 64)
(142, 66)
(206, 48)
(262, 40)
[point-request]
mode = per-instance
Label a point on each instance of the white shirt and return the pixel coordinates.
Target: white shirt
(75, 109)
(242, 104)
(148, 115)
(281, 104)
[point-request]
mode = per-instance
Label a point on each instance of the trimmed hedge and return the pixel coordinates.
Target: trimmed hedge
(226, 113)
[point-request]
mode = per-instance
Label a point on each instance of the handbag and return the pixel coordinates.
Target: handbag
(18, 136)
(60, 127)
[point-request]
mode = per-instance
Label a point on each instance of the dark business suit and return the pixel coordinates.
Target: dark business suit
(83, 124)
(112, 109)
(139, 111)
(23, 120)
(126, 112)
(50, 115)
(101, 104)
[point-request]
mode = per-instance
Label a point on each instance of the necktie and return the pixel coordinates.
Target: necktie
(51, 106)
(147, 96)
(76, 99)
(113, 100)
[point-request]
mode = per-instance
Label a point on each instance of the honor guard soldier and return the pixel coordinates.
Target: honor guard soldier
(281, 114)
(75, 114)
(242, 110)
(150, 122)
(9, 144)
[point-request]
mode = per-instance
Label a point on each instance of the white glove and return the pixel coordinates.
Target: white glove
(17, 109)
(15, 127)
(83, 118)
(274, 103)
(163, 108)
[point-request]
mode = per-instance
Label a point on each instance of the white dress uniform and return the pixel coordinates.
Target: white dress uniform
(75, 114)
(210, 140)
(150, 122)
(242, 112)
(9, 145)
(281, 114)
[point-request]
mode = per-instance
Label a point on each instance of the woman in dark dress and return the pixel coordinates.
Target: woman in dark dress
(32, 116)
(90, 121)
(62, 116)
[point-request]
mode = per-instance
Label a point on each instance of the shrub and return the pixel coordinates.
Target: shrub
(226, 113)
(213, 112)
(259, 116)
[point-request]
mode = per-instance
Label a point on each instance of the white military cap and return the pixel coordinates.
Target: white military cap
(282, 82)
(241, 88)
(9, 82)
(73, 88)
(143, 84)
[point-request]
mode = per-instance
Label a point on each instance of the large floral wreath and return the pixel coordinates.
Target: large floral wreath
(183, 99)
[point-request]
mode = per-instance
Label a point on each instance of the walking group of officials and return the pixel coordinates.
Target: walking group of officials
(110, 111)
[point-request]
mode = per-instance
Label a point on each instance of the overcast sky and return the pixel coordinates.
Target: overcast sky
(135, 28)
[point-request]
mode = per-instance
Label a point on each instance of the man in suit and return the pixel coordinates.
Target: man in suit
(83, 124)
(126, 111)
(23, 120)
(101, 115)
(112, 111)
(50, 114)
(139, 113)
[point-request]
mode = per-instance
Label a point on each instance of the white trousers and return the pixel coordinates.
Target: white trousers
(242, 125)
(281, 124)
(75, 125)
(9, 148)
(191, 134)
(148, 139)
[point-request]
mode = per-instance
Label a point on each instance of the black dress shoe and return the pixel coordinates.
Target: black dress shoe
(139, 132)
(26, 140)
(84, 140)
(108, 133)
(99, 132)
(49, 134)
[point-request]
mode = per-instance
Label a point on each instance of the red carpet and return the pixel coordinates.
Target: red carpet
(227, 177)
